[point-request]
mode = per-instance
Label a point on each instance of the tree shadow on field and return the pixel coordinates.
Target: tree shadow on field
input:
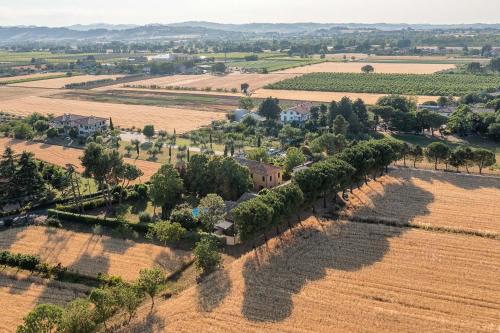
(151, 323)
(276, 273)
(213, 291)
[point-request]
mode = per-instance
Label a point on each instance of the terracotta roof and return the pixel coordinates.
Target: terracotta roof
(303, 108)
(258, 167)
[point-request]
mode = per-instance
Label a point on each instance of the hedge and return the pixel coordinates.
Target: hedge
(96, 220)
(31, 263)
(45, 204)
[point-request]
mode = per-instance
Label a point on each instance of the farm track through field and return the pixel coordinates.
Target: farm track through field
(62, 155)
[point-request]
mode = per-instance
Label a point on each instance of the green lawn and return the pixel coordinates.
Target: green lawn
(272, 65)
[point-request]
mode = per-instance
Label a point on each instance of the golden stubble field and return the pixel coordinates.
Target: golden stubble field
(337, 276)
(458, 201)
(325, 97)
(355, 67)
(229, 81)
(62, 155)
(29, 76)
(91, 254)
(125, 116)
(61, 82)
(19, 294)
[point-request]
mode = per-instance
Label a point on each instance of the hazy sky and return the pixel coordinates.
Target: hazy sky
(67, 12)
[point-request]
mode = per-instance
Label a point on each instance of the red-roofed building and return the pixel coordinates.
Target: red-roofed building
(263, 175)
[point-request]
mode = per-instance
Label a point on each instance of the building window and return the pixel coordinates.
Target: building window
(270, 178)
(263, 178)
(279, 176)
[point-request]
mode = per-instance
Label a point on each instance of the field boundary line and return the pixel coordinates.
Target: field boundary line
(461, 174)
(422, 226)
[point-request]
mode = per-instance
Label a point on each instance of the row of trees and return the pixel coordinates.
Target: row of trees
(92, 314)
(21, 178)
(255, 216)
(330, 176)
(438, 152)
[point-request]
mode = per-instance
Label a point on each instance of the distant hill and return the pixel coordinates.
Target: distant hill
(97, 26)
(195, 29)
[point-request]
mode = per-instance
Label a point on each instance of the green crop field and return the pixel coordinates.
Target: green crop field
(408, 84)
(272, 65)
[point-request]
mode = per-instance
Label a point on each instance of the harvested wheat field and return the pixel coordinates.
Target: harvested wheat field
(91, 254)
(37, 76)
(355, 67)
(125, 116)
(345, 277)
(325, 97)
(13, 93)
(62, 155)
(61, 82)
(229, 81)
(19, 294)
(458, 201)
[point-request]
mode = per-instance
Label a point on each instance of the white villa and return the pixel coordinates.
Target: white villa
(86, 125)
(299, 113)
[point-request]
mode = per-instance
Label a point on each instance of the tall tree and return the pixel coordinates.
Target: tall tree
(27, 178)
(166, 188)
(196, 174)
(212, 210)
(152, 282)
(270, 109)
(44, 318)
(148, 131)
(483, 158)
(437, 152)
(294, 158)
(340, 125)
(105, 166)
